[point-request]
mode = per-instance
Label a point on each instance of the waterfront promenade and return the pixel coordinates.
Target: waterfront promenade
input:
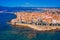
(37, 27)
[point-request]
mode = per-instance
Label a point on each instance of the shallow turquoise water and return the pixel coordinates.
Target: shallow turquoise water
(8, 32)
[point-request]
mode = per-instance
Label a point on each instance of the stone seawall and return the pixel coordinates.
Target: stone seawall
(38, 28)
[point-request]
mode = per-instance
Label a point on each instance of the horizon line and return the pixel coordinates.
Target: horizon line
(27, 6)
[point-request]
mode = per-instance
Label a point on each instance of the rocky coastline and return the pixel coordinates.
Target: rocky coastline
(22, 21)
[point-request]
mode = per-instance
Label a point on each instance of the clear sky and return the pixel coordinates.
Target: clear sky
(30, 3)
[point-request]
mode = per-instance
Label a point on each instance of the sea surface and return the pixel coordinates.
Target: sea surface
(9, 32)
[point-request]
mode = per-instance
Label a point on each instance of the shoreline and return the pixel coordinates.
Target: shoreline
(38, 28)
(38, 18)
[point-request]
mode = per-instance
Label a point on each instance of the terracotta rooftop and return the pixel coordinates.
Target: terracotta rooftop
(47, 17)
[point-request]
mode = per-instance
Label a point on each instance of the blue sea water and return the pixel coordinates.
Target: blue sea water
(8, 32)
